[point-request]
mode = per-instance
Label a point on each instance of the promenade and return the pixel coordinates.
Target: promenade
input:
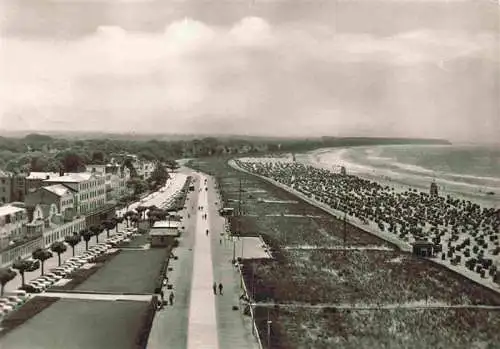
(202, 328)
(198, 319)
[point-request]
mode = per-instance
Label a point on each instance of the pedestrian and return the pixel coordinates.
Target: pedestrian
(171, 298)
(220, 288)
(214, 287)
(220, 241)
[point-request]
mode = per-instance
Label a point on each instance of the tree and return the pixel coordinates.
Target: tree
(116, 221)
(72, 162)
(159, 176)
(108, 225)
(128, 215)
(98, 158)
(72, 241)
(172, 165)
(135, 219)
(96, 230)
(21, 266)
(42, 255)
(140, 211)
(6, 275)
(86, 235)
(58, 247)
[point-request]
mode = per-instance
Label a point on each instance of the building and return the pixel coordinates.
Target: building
(35, 180)
(144, 168)
(423, 249)
(44, 225)
(434, 189)
(89, 190)
(5, 187)
(162, 231)
(12, 221)
(50, 222)
(12, 187)
(57, 194)
(23, 250)
(116, 178)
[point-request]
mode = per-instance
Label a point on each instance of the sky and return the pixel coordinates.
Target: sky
(263, 67)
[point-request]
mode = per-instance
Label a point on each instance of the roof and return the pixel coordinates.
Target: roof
(9, 209)
(71, 178)
(58, 189)
(161, 233)
(166, 224)
(4, 174)
(422, 243)
(42, 175)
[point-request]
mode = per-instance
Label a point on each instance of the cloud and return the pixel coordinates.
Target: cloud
(255, 76)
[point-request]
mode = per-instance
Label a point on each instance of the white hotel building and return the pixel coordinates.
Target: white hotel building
(89, 190)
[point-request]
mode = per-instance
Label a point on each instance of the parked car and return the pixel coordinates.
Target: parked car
(34, 264)
(9, 303)
(47, 278)
(59, 272)
(17, 300)
(43, 282)
(76, 260)
(65, 269)
(31, 288)
(54, 276)
(19, 293)
(5, 309)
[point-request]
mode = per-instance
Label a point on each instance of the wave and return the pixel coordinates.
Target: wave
(404, 174)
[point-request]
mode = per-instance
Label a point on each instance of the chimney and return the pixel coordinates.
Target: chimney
(61, 172)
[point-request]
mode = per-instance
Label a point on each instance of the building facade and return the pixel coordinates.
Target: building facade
(57, 194)
(12, 187)
(45, 225)
(12, 221)
(89, 190)
(115, 178)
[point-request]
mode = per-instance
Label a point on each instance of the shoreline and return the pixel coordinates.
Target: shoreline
(313, 158)
(372, 229)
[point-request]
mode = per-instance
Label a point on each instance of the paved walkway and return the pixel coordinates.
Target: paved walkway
(170, 325)
(235, 329)
(98, 296)
(202, 330)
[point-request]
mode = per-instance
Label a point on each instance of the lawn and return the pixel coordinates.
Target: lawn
(360, 277)
(132, 271)
(34, 306)
(401, 328)
(80, 275)
(82, 324)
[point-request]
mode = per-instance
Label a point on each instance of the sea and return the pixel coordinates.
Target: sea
(470, 172)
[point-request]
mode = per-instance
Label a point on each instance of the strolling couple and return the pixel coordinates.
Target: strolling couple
(214, 287)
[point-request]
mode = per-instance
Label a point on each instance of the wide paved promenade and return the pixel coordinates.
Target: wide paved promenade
(202, 329)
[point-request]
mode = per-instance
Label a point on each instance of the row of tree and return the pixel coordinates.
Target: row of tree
(58, 247)
(42, 152)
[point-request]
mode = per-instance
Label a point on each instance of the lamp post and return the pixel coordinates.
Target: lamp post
(269, 323)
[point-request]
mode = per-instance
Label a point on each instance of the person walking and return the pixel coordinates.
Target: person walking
(207, 232)
(214, 287)
(171, 298)
(220, 288)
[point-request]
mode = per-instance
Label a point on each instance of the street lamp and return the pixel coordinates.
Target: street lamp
(269, 323)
